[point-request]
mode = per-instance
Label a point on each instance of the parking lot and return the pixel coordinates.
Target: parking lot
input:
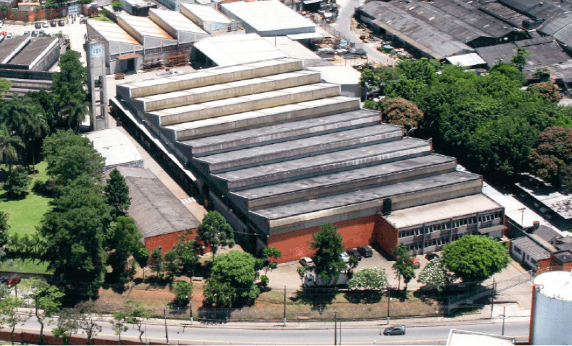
(74, 30)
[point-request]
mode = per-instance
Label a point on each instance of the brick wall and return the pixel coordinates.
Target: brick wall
(32, 16)
(386, 235)
(355, 232)
(166, 241)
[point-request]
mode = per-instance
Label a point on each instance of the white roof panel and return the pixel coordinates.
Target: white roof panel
(178, 22)
(111, 31)
(291, 48)
(227, 50)
(207, 13)
(268, 15)
(114, 146)
(145, 26)
(342, 75)
(467, 60)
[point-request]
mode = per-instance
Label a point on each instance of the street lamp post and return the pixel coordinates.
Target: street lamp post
(191, 308)
(522, 219)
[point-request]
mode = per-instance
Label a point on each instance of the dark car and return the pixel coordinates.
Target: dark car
(394, 330)
(431, 256)
(366, 251)
(355, 253)
(61, 22)
(53, 23)
(11, 280)
(38, 25)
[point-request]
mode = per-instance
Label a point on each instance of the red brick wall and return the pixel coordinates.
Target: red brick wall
(386, 235)
(293, 245)
(31, 16)
(166, 241)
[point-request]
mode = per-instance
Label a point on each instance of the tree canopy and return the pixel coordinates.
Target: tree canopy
(232, 280)
(400, 112)
(403, 265)
(369, 279)
(475, 257)
(215, 232)
(328, 246)
(436, 275)
(551, 158)
(117, 193)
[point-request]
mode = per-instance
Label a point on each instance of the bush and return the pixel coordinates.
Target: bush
(44, 188)
(264, 280)
(369, 104)
(17, 183)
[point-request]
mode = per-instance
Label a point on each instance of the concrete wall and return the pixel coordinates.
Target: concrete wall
(293, 245)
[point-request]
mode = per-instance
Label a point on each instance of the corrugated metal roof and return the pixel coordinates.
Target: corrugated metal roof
(145, 26)
(423, 36)
(531, 248)
(155, 209)
(111, 31)
(466, 60)
(227, 50)
(114, 146)
(269, 15)
(178, 22)
(291, 48)
(207, 13)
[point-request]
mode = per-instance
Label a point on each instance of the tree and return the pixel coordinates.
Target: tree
(328, 246)
(187, 256)
(117, 193)
(271, 254)
(403, 265)
(68, 86)
(123, 241)
(136, 316)
(10, 146)
(368, 279)
(400, 112)
(475, 257)
(47, 302)
(9, 314)
(436, 275)
(5, 86)
(142, 258)
(66, 326)
(157, 263)
(119, 323)
(4, 228)
(172, 264)
(215, 232)
(74, 237)
(18, 183)
(546, 90)
(232, 280)
(69, 156)
(87, 320)
(519, 59)
(183, 291)
(551, 159)
(117, 5)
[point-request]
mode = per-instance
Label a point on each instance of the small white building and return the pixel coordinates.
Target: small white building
(116, 149)
(209, 19)
(346, 76)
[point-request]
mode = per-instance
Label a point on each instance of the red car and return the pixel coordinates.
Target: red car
(416, 263)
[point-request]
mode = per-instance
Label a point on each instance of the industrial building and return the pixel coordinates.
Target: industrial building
(25, 61)
(163, 39)
(160, 217)
(115, 148)
(138, 7)
(279, 153)
(551, 313)
(208, 18)
(268, 18)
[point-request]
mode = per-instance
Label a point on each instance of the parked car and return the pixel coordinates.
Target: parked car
(61, 23)
(45, 25)
(11, 280)
(354, 252)
(53, 22)
(34, 33)
(307, 262)
(41, 33)
(394, 330)
(431, 256)
(366, 251)
(10, 35)
(345, 257)
(27, 32)
(38, 25)
(1, 23)
(416, 263)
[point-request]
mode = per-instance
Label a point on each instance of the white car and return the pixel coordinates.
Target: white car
(10, 35)
(1, 23)
(345, 257)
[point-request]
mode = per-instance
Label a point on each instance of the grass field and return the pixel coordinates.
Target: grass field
(24, 216)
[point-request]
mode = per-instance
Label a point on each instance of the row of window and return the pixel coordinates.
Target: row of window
(433, 242)
(447, 225)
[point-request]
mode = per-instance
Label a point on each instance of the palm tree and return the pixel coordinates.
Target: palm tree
(10, 146)
(33, 127)
(74, 111)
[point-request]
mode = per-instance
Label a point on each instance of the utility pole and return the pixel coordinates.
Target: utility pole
(166, 331)
(284, 305)
(335, 327)
(503, 316)
(388, 301)
(340, 332)
(191, 308)
(493, 298)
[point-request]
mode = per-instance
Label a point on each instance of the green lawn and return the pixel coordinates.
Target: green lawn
(24, 216)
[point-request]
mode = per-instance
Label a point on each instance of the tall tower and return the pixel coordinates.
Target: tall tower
(97, 84)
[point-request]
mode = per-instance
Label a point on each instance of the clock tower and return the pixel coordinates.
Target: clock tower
(97, 84)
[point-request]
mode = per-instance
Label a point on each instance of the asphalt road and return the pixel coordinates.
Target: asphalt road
(300, 334)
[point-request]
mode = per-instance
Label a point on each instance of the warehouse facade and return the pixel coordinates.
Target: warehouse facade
(279, 153)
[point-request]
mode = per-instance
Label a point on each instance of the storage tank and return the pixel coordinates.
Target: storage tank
(551, 319)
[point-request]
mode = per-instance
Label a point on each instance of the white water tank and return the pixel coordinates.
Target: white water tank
(551, 320)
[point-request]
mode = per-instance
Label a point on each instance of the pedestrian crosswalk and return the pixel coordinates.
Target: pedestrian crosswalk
(188, 200)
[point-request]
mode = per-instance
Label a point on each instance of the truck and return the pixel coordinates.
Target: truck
(312, 280)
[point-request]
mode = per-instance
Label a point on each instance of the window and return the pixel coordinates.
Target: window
(517, 250)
